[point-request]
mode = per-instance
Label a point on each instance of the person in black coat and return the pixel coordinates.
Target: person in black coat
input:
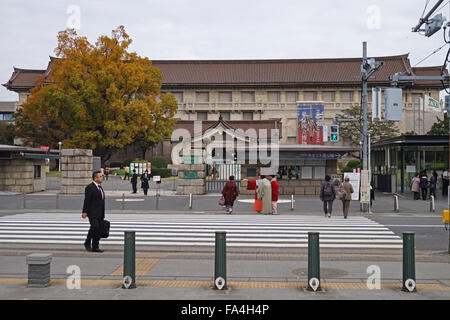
(94, 209)
(134, 181)
(144, 181)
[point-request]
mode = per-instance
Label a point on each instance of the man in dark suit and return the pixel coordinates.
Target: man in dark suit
(94, 209)
(134, 181)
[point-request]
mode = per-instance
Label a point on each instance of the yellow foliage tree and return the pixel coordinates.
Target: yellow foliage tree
(97, 96)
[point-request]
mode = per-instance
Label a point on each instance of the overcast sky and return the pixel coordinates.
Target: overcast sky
(212, 29)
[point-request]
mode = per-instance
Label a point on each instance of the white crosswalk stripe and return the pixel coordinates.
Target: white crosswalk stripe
(199, 230)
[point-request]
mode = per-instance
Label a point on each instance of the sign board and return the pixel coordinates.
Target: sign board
(190, 174)
(376, 104)
(431, 104)
(45, 148)
(156, 178)
(140, 167)
(410, 169)
(365, 186)
(354, 181)
(310, 121)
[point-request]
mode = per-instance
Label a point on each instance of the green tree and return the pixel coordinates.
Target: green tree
(440, 127)
(6, 133)
(351, 131)
(97, 96)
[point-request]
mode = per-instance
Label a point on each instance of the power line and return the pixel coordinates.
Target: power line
(434, 52)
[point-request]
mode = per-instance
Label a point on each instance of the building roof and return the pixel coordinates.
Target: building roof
(279, 72)
(244, 125)
(417, 140)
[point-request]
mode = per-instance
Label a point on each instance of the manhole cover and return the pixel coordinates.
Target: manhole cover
(324, 272)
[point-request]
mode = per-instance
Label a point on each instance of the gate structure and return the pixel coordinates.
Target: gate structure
(218, 174)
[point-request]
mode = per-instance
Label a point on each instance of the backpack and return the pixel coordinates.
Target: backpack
(327, 191)
(341, 194)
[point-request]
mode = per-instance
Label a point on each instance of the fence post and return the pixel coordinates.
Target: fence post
(396, 205)
(313, 262)
(57, 201)
(409, 269)
(220, 265)
(123, 201)
(190, 200)
(292, 202)
(432, 204)
(24, 200)
(129, 256)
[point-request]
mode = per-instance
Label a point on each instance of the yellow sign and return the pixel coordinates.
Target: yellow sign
(445, 216)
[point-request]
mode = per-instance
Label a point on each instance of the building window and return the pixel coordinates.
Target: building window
(291, 96)
(225, 96)
(346, 96)
(6, 117)
(248, 96)
(247, 115)
(310, 96)
(37, 172)
(178, 96)
(202, 115)
(328, 96)
(273, 96)
(202, 96)
(225, 115)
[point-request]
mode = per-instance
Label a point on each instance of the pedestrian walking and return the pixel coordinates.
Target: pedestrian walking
(424, 185)
(347, 196)
(265, 194)
(94, 210)
(144, 182)
(134, 180)
(327, 195)
(433, 183)
(254, 185)
(445, 181)
(275, 191)
(230, 193)
(415, 186)
(127, 173)
(107, 171)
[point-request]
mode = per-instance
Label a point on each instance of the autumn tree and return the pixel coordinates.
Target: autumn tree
(440, 127)
(97, 96)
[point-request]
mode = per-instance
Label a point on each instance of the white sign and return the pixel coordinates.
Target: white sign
(325, 133)
(410, 169)
(365, 186)
(431, 104)
(156, 178)
(354, 181)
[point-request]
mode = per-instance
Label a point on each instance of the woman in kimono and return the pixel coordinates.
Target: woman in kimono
(253, 185)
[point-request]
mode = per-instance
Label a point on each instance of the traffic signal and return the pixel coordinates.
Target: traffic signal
(334, 133)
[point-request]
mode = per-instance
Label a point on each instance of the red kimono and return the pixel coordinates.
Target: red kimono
(275, 190)
(251, 185)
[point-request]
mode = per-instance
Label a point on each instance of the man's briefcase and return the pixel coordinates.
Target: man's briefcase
(104, 229)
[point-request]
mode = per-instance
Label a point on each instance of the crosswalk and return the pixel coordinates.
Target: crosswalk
(197, 230)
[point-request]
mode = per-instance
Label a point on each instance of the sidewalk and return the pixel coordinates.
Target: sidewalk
(190, 276)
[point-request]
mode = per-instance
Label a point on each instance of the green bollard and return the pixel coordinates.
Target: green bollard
(313, 262)
(409, 269)
(129, 257)
(220, 268)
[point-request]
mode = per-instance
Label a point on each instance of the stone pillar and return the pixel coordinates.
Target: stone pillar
(191, 179)
(17, 175)
(76, 167)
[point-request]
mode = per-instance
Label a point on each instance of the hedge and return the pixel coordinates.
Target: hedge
(163, 172)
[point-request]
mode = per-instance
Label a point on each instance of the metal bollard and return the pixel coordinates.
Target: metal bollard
(313, 262)
(57, 201)
(220, 265)
(432, 204)
(24, 200)
(409, 269)
(129, 257)
(396, 207)
(292, 202)
(157, 202)
(123, 201)
(190, 200)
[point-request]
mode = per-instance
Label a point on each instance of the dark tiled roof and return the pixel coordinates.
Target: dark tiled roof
(281, 72)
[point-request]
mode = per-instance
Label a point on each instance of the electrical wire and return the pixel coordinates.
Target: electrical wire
(434, 52)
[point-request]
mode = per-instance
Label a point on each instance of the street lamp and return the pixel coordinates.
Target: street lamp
(59, 160)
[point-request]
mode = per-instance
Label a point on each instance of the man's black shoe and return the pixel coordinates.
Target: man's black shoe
(88, 247)
(97, 250)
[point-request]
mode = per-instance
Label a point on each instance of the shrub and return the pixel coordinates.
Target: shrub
(354, 164)
(158, 162)
(164, 173)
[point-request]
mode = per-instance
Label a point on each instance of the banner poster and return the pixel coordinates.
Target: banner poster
(310, 124)
(355, 182)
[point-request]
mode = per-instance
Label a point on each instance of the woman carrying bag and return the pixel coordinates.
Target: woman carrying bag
(230, 193)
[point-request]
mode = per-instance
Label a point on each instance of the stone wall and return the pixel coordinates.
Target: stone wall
(195, 186)
(17, 175)
(76, 167)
